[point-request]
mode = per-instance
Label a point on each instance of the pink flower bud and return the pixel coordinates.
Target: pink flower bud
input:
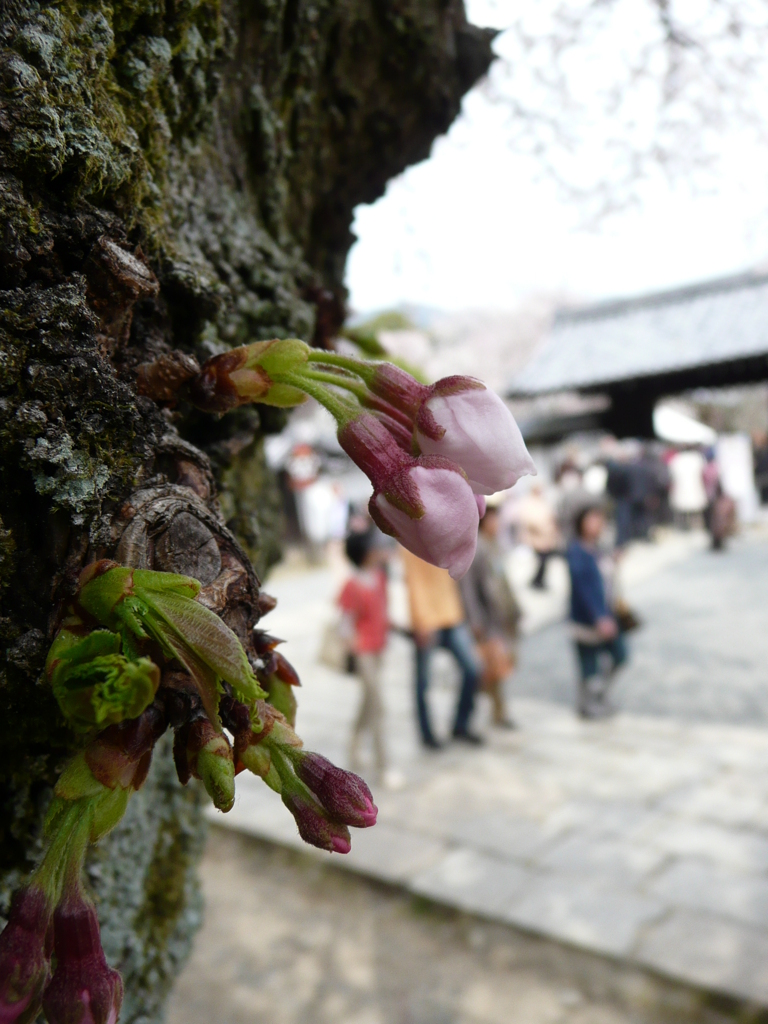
(382, 408)
(430, 508)
(470, 425)
(24, 967)
(315, 827)
(425, 503)
(84, 988)
(344, 796)
(370, 445)
(401, 433)
(398, 388)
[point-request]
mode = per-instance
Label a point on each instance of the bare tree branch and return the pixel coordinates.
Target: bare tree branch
(606, 93)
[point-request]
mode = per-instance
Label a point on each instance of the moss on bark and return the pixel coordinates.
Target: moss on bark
(173, 175)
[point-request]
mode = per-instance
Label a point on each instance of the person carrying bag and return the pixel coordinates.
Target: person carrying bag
(493, 614)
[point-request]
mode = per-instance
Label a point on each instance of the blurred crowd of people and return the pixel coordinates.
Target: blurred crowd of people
(587, 514)
(476, 621)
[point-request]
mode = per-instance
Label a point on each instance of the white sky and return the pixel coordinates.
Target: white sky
(472, 227)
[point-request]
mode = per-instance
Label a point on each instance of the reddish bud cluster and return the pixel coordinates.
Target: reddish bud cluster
(24, 957)
(323, 799)
(84, 988)
(344, 795)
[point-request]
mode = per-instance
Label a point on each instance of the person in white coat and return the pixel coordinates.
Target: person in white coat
(687, 495)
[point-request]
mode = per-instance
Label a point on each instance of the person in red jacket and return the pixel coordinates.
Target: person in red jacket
(363, 601)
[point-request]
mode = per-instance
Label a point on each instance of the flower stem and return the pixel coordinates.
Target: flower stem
(363, 369)
(340, 380)
(366, 398)
(339, 407)
(66, 851)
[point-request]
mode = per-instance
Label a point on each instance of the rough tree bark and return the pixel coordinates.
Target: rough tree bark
(175, 175)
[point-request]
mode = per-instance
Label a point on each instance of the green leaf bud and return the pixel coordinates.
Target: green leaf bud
(280, 695)
(94, 684)
(258, 759)
(78, 781)
(250, 373)
(141, 602)
(217, 770)
(210, 759)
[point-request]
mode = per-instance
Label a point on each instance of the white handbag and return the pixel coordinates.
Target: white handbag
(335, 647)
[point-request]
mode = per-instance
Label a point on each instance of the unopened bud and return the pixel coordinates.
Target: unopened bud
(84, 988)
(372, 447)
(315, 827)
(210, 759)
(344, 795)
(24, 966)
(280, 696)
(397, 387)
(401, 433)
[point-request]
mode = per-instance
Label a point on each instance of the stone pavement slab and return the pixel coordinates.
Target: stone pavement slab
(643, 838)
(287, 940)
(473, 881)
(709, 950)
(513, 833)
(585, 909)
(698, 884)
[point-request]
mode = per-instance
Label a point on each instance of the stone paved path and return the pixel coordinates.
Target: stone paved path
(289, 940)
(644, 838)
(704, 653)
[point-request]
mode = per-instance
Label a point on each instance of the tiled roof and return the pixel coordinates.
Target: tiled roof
(652, 335)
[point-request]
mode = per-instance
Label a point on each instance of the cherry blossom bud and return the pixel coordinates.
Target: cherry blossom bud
(425, 503)
(24, 966)
(402, 434)
(397, 387)
(315, 826)
(84, 988)
(383, 408)
(430, 508)
(481, 505)
(464, 421)
(344, 795)
(373, 448)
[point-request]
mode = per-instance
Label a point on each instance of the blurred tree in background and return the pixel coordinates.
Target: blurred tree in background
(607, 94)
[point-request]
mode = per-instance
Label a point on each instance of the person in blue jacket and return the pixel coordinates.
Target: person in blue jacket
(595, 630)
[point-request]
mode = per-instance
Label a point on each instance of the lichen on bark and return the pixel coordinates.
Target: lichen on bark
(175, 176)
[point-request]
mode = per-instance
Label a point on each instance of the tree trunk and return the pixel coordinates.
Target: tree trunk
(176, 178)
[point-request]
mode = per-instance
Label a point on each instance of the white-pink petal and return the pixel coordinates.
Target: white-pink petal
(446, 535)
(481, 436)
